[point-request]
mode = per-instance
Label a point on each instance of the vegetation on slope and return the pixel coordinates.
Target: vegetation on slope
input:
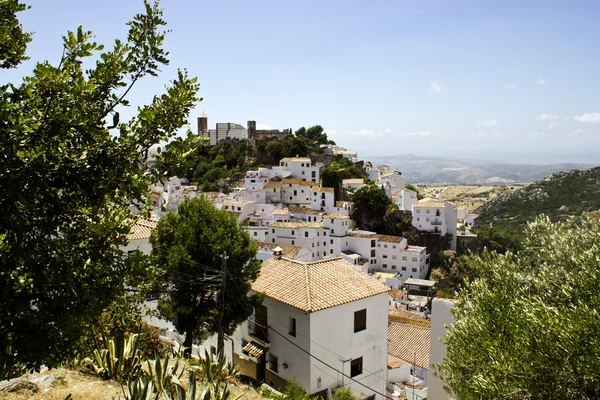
(559, 196)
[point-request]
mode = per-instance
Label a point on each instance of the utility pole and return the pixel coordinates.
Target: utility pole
(221, 334)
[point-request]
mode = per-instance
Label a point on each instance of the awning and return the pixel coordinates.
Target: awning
(254, 349)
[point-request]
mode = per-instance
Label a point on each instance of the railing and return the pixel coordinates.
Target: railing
(436, 222)
(258, 331)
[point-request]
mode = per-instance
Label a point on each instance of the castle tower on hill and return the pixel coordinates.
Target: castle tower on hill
(202, 124)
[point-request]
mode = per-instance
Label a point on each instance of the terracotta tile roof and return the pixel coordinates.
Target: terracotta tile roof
(155, 195)
(300, 159)
(304, 210)
(395, 362)
(409, 343)
(254, 349)
(353, 181)
(281, 211)
(389, 238)
(340, 204)
(297, 225)
(142, 229)
(289, 251)
(430, 204)
(315, 286)
(323, 189)
(298, 181)
(173, 178)
(335, 216)
(273, 185)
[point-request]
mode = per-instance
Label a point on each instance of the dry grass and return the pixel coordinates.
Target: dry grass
(84, 386)
(78, 384)
(471, 196)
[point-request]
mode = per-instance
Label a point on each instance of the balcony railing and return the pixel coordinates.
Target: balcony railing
(258, 331)
(436, 222)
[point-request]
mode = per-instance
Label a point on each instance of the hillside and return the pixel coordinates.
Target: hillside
(431, 170)
(559, 196)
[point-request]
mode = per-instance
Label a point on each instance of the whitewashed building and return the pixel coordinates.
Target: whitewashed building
(327, 309)
(437, 217)
(405, 199)
(353, 184)
(302, 168)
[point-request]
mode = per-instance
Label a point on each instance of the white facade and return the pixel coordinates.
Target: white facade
(438, 217)
(353, 184)
(293, 191)
(301, 167)
(406, 199)
(323, 199)
(441, 315)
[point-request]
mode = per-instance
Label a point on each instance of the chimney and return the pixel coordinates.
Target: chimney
(277, 253)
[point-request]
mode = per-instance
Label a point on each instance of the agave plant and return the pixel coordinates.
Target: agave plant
(214, 370)
(117, 358)
(165, 377)
(139, 390)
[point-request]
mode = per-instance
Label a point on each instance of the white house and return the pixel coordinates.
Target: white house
(436, 216)
(293, 191)
(139, 236)
(405, 199)
(326, 310)
(353, 184)
(302, 168)
(322, 199)
(441, 315)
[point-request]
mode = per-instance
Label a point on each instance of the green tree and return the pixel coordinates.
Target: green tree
(370, 207)
(527, 328)
(188, 247)
(69, 168)
(13, 41)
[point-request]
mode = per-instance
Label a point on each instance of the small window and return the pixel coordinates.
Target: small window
(331, 251)
(360, 320)
(373, 243)
(292, 330)
(384, 265)
(394, 246)
(414, 259)
(305, 234)
(414, 270)
(272, 230)
(293, 243)
(403, 268)
(331, 241)
(385, 256)
(356, 367)
(403, 258)
(393, 267)
(255, 234)
(394, 257)
(385, 246)
(372, 253)
(273, 363)
(292, 233)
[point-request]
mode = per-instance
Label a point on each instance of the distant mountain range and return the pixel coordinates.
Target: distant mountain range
(433, 170)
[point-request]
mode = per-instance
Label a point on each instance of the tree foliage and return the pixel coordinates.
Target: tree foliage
(341, 168)
(412, 187)
(188, 247)
(370, 207)
(13, 41)
(527, 328)
(69, 167)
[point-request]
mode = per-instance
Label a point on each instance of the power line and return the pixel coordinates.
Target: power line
(311, 355)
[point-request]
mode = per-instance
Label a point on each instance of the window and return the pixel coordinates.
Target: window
(385, 256)
(385, 246)
(418, 211)
(305, 234)
(384, 265)
(373, 243)
(403, 258)
(324, 233)
(394, 257)
(378, 244)
(403, 268)
(418, 219)
(393, 267)
(333, 231)
(293, 243)
(272, 230)
(314, 174)
(295, 193)
(331, 241)
(292, 233)
(360, 320)
(302, 172)
(356, 367)
(273, 240)
(414, 259)
(394, 246)
(330, 251)
(273, 363)
(292, 330)
(427, 211)
(372, 253)
(414, 270)
(255, 234)
(426, 219)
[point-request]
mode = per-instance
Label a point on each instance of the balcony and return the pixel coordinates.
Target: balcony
(258, 332)
(436, 222)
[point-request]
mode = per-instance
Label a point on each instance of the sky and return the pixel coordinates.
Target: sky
(433, 78)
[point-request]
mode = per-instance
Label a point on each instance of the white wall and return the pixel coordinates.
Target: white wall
(143, 245)
(333, 330)
(441, 315)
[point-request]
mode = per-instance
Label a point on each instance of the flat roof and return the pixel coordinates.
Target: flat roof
(419, 282)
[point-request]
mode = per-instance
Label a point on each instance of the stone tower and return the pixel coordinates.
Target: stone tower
(202, 124)
(251, 129)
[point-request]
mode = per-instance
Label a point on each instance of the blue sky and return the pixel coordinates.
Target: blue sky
(468, 78)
